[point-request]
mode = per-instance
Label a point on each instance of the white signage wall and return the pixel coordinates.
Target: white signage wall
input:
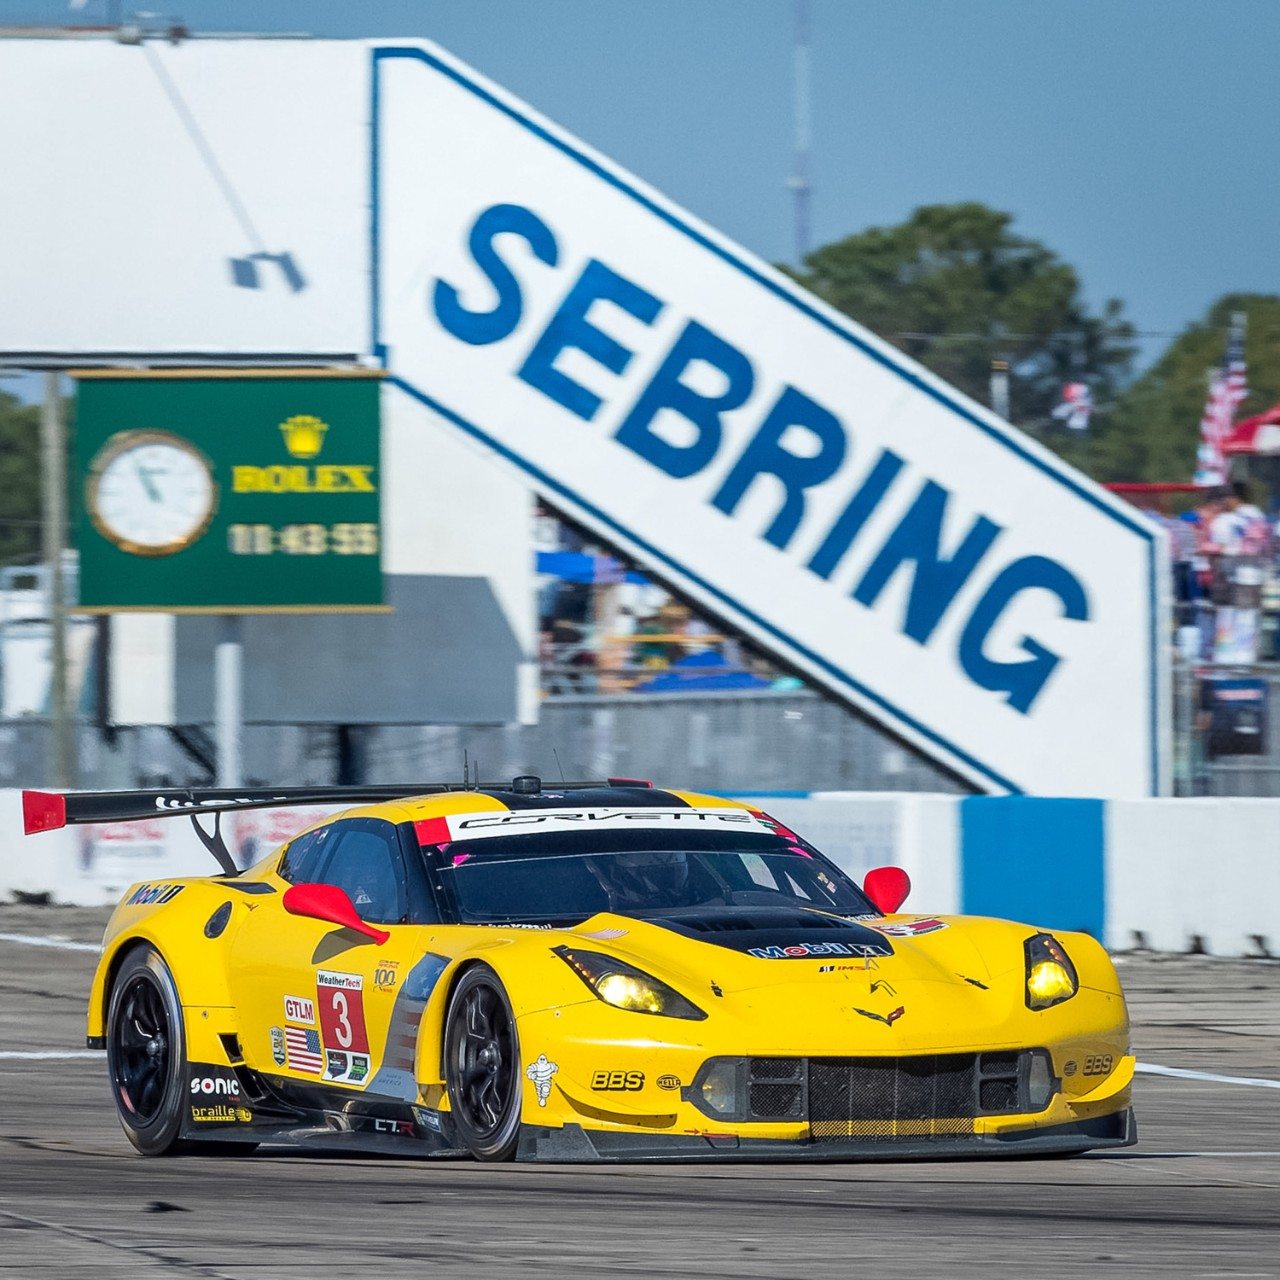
(806, 482)
(204, 198)
(803, 479)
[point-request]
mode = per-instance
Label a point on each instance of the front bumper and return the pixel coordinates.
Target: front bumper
(573, 1144)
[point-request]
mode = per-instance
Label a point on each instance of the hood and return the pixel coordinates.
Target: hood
(775, 978)
(744, 948)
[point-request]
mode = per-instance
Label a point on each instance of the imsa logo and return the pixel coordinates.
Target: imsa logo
(617, 1081)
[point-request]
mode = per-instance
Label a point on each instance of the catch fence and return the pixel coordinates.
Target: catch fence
(769, 740)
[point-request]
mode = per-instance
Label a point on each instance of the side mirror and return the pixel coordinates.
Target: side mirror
(328, 902)
(887, 887)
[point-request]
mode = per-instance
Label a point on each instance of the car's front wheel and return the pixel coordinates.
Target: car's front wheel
(146, 1053)
(482, 1066)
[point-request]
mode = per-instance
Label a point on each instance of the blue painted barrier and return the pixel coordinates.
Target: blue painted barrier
(1038, 860)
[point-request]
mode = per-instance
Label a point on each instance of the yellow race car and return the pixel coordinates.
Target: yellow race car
(583, 972)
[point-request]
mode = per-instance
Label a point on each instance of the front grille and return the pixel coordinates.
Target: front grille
(919, 1097)
(938, 1087)
(884, 1098)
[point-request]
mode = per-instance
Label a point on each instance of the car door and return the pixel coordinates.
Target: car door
(317, 999)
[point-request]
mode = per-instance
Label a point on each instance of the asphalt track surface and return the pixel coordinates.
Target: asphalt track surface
(1199, 1195)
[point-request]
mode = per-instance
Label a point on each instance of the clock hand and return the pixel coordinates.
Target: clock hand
(145, 476)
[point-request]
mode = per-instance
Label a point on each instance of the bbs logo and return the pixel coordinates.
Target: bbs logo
(617, 1081)
(219, 1085)
(1099, 1065)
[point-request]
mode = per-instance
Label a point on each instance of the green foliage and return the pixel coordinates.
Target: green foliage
(1154, 429)
(954, 287)
(19, 480)
(20, 499)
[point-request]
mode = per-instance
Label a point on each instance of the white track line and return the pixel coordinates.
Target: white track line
(59, 944)
(47, 1055)
(1179, 1073)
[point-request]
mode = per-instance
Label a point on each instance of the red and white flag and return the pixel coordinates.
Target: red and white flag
(1227, 388)
(1076, 406)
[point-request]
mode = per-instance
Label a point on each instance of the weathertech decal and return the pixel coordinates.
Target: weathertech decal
(341, 1000)
(469, 826)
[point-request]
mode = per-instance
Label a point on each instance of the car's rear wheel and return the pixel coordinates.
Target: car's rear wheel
(146, 1053)
(482, 1066)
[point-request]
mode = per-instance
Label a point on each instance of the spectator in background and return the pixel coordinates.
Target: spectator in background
(647, 654)
(1239, 528)
(699, 634)
(572, 661)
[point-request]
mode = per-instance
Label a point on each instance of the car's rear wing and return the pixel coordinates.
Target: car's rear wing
(49, 810)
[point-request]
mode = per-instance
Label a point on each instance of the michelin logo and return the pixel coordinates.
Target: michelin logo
(540, 1072)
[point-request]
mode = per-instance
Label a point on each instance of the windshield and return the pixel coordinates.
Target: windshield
(565, 878)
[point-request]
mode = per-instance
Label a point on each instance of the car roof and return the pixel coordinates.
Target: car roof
(501, 799)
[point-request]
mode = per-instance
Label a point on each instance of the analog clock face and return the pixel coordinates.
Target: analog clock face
(151, 492)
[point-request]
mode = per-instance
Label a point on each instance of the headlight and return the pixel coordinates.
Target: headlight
(720, 1088)
(626, 987)
(1051, 977)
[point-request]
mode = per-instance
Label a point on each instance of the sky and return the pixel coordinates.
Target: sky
(1136, 138)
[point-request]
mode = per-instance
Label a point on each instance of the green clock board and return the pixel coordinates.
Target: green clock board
(201, 492)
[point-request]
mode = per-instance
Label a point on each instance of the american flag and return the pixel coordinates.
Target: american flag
(304, 1049)
(1076, 406)
(1227, 389)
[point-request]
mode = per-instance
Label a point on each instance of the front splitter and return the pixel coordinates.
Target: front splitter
(575, 1145)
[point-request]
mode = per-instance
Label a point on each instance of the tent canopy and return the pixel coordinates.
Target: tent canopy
(1259, 434)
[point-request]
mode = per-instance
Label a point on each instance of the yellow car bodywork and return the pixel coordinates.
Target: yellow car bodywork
(601, 1081)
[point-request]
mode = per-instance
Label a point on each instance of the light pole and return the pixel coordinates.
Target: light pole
(801, 188)
(53, 476)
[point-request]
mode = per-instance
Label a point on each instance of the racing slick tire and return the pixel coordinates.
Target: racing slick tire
(482, 1065)
(147, 1054)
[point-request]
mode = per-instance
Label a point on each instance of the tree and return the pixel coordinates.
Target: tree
(1154, 429)
(954, 287)
(19, 480)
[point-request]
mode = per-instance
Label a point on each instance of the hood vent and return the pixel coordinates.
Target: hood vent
(776, 933)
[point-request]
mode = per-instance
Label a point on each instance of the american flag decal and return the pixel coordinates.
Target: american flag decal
(303, 1047)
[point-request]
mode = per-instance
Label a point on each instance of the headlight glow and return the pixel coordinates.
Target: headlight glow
(629, 992)
(626, 987)
(1048, 982)
(1051, 977)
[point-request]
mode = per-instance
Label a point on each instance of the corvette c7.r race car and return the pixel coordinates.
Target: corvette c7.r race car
(590, 971)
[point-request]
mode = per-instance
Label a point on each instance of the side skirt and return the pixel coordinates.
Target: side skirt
(237, 1104)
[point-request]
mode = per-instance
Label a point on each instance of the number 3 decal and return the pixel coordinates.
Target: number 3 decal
(340, 1003)
(343, 1031)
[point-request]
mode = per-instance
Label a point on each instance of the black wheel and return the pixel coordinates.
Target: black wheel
(482, 1066)
(147, 1053)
